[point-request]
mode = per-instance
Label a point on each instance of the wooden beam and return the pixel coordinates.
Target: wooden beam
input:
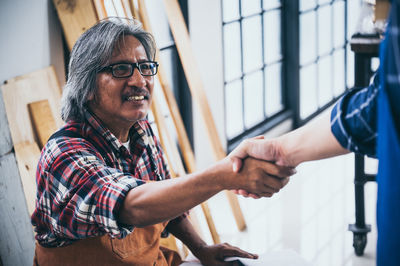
(163, 131)
(27, 154)
(76, 17)
(42, 119)
(183, 139)
(165, 138)
(23, 90)
(100, 9)
(183, 44)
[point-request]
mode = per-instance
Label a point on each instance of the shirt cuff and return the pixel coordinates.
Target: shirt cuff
(111, 198)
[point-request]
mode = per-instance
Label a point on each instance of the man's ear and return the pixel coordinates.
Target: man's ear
(91, 96)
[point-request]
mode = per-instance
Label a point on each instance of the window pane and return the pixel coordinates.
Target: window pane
(321, 2)
(250, 7)
(252, 43)
(353, 13)
(230, 9)
(253, 99)
(168, 58)
(232, 59)
(159, 23)
(234, 108)
(307, 38)
(268, 4)
(307, 4)
(308, 95)
(272, 36)
(350, 67)
(273, 89)
(338, 72)
(324, 80)
(324, 30)
(338, 24)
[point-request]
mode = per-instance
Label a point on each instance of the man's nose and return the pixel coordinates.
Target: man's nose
(136, 79)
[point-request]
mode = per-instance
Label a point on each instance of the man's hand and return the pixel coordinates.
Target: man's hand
(215, 254)
(264, 149)
(261, 178)
(260, 148)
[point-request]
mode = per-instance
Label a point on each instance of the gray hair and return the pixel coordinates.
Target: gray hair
(91, 52)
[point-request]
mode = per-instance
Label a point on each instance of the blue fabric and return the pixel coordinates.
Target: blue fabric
(368, 121)
(353, 119)
(388, 204)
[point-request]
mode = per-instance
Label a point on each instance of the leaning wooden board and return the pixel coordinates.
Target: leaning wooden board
(21, 91)
(37, 87)
(183, 44)
(76, 17)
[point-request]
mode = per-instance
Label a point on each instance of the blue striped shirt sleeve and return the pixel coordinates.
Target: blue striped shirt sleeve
(353, 119)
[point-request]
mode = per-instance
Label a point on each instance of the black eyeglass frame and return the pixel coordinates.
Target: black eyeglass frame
(134, 65)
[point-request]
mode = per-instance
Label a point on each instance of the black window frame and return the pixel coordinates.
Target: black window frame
(290, 77)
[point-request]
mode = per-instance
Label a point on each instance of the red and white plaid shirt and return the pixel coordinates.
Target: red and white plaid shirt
(82, 182)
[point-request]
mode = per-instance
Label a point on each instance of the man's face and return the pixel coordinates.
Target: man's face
(120, 102)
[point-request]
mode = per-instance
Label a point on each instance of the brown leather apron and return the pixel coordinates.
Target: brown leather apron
(141, 247)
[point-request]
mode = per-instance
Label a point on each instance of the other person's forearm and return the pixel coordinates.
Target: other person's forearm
(313, 141)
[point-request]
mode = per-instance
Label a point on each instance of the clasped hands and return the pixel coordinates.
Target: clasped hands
(269, 156)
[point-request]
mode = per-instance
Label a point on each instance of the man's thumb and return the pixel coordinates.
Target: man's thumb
(236, 164)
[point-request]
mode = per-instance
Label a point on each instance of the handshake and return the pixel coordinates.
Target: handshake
(262, 165)
(277, 158)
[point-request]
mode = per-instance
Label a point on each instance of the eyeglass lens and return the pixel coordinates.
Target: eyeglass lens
(126, 70)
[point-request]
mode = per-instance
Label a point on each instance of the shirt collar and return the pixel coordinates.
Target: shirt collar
(137, 133)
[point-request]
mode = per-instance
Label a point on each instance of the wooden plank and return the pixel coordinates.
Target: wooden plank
(76, 17)
(183, 44)
(168, 145)
(183, 139)
(163, 131)
(100, 9)
(119, 8)
(20, 91)
(27, 154)
(134, 9)
(43, 121)
(127, 8)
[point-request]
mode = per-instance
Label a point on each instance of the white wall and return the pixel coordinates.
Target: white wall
(206, 35)
(30, 40)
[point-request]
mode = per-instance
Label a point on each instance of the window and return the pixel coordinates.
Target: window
(253, 63)
(284, 59)
(322, 54)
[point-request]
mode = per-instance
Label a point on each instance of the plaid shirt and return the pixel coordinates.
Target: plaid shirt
(354, 119)
(82, 183)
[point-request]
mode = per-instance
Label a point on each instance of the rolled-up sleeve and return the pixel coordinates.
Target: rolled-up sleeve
(354, 119)
(81, 197)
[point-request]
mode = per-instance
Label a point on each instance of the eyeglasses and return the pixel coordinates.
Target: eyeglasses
(125, 70)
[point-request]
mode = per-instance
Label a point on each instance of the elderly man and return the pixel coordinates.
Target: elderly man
(96, 204)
